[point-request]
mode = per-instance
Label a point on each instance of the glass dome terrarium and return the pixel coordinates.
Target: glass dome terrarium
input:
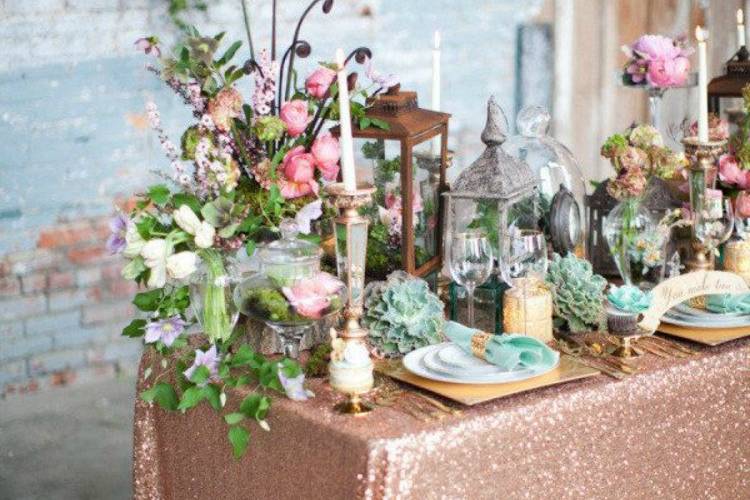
(290, 293)
(561, 189)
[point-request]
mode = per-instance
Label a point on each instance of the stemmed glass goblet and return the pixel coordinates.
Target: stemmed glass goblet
(524, 260)
(470, 263)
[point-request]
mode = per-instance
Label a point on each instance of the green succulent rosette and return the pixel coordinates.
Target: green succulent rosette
(628, 298)
(577, 293)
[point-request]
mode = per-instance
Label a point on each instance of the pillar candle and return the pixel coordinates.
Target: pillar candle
(740, 28)
(345, 139)
(435, 144)
(702, 35)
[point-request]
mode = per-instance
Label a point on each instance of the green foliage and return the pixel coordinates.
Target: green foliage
(317, 363)
(159, 194)
(269, 128)
(239, 437)
(402, 314)
(268, 303)
(166, 302)
(135, 329)
(162, 394)
(577, 293)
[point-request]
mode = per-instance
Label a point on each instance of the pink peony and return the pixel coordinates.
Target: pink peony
(310, 297)
(730, 172)
(668, 72)
(326, 151)
(295, 116)
(660, 60)
(297, 174)
(742, 205)
(319, 81)
(654, 47)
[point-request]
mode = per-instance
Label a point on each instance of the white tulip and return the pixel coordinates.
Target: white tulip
(154, 253)
(181, 265)
(186, 219)
(204, 236)
(133, 241)
(158, 277)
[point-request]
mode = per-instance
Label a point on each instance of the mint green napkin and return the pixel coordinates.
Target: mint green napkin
(509, 352)
(729, 303)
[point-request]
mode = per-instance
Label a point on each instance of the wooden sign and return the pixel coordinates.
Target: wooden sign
(676, 290)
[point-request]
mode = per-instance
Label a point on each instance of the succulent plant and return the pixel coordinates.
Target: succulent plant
(577, 293)
(402, 314)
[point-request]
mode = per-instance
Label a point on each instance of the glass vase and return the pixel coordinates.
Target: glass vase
(635, 243)
(211, 295)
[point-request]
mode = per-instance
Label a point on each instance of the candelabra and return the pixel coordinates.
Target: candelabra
(351, 367)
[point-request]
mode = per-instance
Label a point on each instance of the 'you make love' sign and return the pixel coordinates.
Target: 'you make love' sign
(676, 290)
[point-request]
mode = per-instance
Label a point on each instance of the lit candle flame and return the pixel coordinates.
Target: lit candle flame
(740, 17)
(701, 34)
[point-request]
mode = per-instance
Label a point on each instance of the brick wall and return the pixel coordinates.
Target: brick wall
(73, 139)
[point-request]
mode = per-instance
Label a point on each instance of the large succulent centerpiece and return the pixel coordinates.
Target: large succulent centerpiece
(577, 294)
(245, 163)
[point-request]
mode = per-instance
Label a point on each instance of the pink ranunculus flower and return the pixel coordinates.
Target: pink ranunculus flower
(295, 116)
(730, 171)
(742, 205)
(326, 151)
(319, 81)
(297, 174)
(310, 297)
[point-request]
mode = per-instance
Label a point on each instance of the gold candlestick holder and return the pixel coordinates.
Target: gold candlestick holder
(350, 230)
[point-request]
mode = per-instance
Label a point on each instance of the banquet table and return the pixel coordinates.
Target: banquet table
(676, 429)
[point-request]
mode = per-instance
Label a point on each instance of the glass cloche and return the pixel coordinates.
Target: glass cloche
(561, 188)
(290, 293)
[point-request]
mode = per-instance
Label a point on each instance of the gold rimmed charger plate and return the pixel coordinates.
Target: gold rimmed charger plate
(705, 336)
(567, 370)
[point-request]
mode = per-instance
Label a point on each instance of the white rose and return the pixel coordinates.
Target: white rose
(181, 265)
(133, 241)
(154, 253)
(186, 219)
(204, 236)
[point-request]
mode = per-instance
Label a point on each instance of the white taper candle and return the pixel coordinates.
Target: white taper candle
(702, 35)
(740, 28)
(435, 144)
(345, 139)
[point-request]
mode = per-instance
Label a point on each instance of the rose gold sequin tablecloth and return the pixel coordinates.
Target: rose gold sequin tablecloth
(680, 429)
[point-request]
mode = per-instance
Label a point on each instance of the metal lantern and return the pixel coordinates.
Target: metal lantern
(730, 84)
(408, 152)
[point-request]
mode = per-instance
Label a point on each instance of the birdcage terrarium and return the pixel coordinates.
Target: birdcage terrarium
(407, 157)
(493, 194)
(561, 188)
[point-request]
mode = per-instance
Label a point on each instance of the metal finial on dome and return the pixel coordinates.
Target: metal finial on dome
(496, 126)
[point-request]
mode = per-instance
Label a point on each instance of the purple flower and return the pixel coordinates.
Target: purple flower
(383, 81)
(294, 387)
(118, 225)
(166, 330)
(149, 45)
(209, 359)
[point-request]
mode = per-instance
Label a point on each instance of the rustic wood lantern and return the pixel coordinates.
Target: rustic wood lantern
(730, 84)
(409, 157)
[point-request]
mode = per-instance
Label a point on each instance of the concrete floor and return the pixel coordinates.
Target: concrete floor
(68, 443)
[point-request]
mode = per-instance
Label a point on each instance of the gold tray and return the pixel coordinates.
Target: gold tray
(705, 336)
(467, 394)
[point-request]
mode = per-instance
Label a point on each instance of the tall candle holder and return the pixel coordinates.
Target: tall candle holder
(351, 250)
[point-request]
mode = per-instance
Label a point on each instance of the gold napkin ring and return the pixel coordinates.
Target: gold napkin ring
(479, 344)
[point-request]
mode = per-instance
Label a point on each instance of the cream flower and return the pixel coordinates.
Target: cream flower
(204, 236)
(189, 222)
(154, 254)
(181, 265)
(133, 242)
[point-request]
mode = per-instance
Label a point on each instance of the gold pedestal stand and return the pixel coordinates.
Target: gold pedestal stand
(351, 250)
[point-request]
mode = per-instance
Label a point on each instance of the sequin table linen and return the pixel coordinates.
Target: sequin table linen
(679, 429)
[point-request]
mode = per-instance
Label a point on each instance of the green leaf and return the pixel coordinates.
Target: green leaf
(290, 368)
(200, 374)
(163, 394)
(145, 226)
(134, 268)
(229, 54)
(381, 124)
(213, 395)
(250, 247)
(243, 356)
(190, 398)
(148, 301)
(159, 194)
(234, 418)
(135, 329)
(255, 406)
(190, 200)
(228, 231)
(364, 123)
(248, 112)
(239, 437)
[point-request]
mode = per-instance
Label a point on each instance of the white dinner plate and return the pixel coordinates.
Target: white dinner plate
(685, 309)
(432, 360)
(414, 362)
(713, 323)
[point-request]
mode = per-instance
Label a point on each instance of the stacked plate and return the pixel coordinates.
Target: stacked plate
(447, 362)
(684, 315)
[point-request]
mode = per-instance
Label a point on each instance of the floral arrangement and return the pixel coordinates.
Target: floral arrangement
(637, 155)
(734, 166)
(402, 314)
(577, 293)
(239, 169)
(657, 61)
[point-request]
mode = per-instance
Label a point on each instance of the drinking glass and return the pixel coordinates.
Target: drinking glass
(523, 261)
(470, 263)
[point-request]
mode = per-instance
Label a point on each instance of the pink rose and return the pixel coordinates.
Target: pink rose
(310, 297)
(742, 205)
(297, 174)
(326, 151)
(729, 170)
(295, 117)
(319, 81)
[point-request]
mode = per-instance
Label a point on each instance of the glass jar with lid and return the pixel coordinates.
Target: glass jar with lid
(290, 293)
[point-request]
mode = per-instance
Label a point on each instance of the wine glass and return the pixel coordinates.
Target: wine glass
(524, 261)
(470, 263)
(714, 224)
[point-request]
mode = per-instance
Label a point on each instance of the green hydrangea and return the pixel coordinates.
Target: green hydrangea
(269, 128)
(577, 293)
(402, 314)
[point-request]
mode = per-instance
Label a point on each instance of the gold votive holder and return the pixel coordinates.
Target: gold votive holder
(527, 309)
(737, 258)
